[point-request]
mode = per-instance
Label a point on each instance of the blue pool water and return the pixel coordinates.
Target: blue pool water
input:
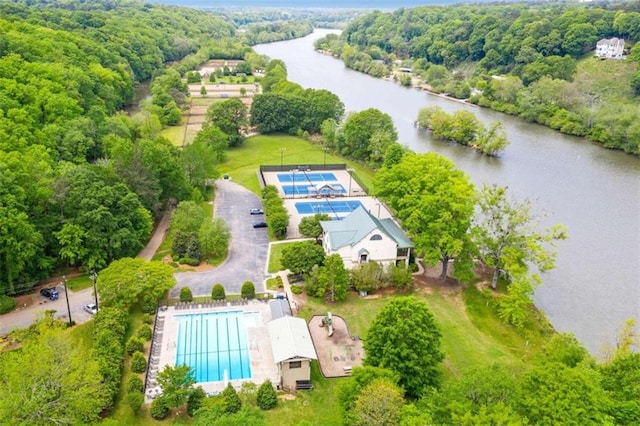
(327, 206)
(302, 176)
(215, 342)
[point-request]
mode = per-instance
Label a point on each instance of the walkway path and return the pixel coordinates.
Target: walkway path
(158, 236)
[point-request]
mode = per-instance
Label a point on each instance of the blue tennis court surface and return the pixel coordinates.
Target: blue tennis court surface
(306, 176)
(327, 206)
(215, 345)
(333, 189)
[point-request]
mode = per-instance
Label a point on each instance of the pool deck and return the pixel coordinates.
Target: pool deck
(165, 346)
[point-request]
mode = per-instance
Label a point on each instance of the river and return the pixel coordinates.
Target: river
(593, 191)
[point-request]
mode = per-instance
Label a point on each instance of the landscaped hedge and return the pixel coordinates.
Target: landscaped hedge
(185, 294)
(248, 290)
(109, 329)
(217, 292)
(276, 213)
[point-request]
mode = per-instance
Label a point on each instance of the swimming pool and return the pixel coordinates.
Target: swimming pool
(327, 206)
(301, 176)
(214, 345)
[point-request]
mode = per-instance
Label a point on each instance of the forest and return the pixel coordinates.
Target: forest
(81, 183)
(534, 60)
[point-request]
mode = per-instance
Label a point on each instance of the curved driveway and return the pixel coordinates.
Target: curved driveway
(247, 250)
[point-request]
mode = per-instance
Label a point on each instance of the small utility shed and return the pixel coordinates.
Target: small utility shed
(292, 350)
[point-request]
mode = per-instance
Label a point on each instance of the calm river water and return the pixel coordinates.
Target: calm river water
(593, 191)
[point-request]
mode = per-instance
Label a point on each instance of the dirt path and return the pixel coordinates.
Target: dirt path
(157, 237)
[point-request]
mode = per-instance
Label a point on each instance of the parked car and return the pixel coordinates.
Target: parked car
(91, 308)
(260, 224)
(50, 293)
(256, 211)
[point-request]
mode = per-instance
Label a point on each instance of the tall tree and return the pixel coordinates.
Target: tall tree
(405, 338)
(176, 384)
(506, 235)
(310, 225)
(128, 281)
(359, 130)
(434, 201)
(334, 278)
(380, 403)
(300, 257)
(230, 116)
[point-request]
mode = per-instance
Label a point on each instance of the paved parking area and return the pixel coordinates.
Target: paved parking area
(247, 251)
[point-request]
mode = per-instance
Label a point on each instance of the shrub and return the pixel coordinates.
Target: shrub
(296, 289)
(147, 319)
(217, 292)
(7, 304)
(248, 290)
(134, 345)
(138, 363)
(145, 333)
(148, 305)
(194, 401)
(279, 281)
(135, 384)
(159, 409)
(267, 398)
(135, 400)
(232, 403)
(190, 261)
(185, 294)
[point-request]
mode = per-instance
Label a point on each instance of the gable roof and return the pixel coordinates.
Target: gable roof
(357, 225)
(290, 338)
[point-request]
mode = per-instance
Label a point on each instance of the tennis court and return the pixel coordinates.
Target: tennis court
(301, 176)
(327, 206)
(313, 190)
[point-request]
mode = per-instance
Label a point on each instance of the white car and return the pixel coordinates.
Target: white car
(91, 308)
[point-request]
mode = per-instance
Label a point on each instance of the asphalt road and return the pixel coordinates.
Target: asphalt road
(21, 318)
(247, 250)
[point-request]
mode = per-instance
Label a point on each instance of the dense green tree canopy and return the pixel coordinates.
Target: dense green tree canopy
(50, 380)
(405, 338)
(434, 201)
(300, 257)
(128, 281)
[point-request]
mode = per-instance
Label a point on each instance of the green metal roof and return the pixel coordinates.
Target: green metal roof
(354, 227)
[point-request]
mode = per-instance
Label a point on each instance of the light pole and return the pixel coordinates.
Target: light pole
(66, 295)
(94, 278)
(350, 171)
(282, 150)
(325, 157)
(378, 204)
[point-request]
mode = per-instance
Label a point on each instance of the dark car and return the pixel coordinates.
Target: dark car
(260, 224)
(256, 211)
(50, 293)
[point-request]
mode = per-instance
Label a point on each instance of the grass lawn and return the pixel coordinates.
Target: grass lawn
(275, 254)
(79, 283)
(242, 163)
(176, 133)
(466, 345)
(609, 79)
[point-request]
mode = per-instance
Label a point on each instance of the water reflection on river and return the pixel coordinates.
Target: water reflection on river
(593, 191)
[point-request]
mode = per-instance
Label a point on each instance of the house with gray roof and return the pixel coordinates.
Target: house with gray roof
(361, 237)
(293, 351)
(610, 48)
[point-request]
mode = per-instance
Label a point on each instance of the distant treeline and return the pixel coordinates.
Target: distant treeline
(528, 59)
